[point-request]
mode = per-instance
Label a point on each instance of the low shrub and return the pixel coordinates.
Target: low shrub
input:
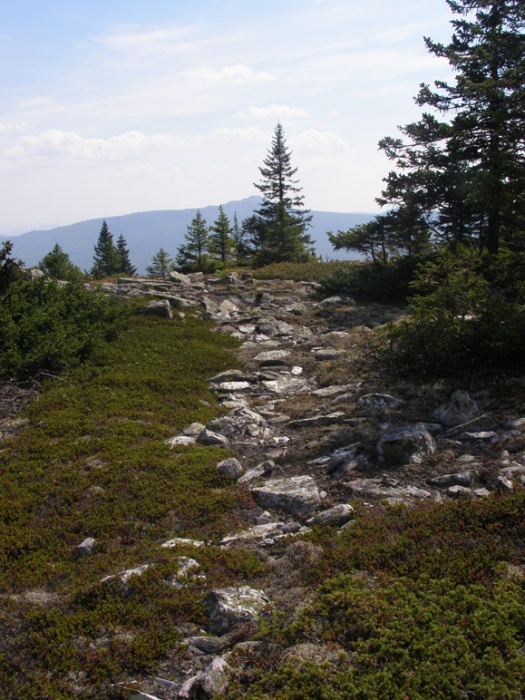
(467, 317)
(314, 271)
(93, 463)
(50, 327)
(386, 283)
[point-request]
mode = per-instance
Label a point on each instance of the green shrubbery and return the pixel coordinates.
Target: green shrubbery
(412, 603)
(50, 327)
(93, 463)
(313, 271)
(467, 316)
(385, 282)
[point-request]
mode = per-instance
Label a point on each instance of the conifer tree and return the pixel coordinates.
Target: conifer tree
(239, 242)
(57, 264)
(193, 256)
(464, 176)
(11, 269)
(125, 266)
(106, 258)
(221, 243)
(282, 213)
(161, 264)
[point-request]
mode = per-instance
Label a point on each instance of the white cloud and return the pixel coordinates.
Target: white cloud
(12, 127)
(55, 144)
(273, 111)
(237, 74)
(313, 142)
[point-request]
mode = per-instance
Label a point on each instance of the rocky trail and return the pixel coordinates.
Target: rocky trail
(313, 437)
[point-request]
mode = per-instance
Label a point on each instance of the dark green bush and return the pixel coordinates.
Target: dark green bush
(50, 327)
(387, 282)
(468, 316)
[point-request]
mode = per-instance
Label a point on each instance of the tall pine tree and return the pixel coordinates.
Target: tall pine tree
(463, 171)
(221, 243)
(125, 266)
(106, 258)
(282, 216)
(193, 255)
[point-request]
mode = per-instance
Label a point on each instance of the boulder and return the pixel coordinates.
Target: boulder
(286, 386)
(194, 429)
(228, 607)
(215, 677)
(158, 308)
(240, 422)
(181, 440)
(86, 548)
(461, 408)
(459, 492)
(338, 515)
(455, 479)
(297, 495)
(256, 533)
(377, 403)
(263, 470)
(271, 326)
(209, 438)
(231, 467)
(325, 354)
(405, 445)
(179, 278)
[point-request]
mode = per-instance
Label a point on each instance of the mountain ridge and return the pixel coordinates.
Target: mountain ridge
(146, 232)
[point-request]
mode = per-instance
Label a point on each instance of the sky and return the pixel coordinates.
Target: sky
(109, 107)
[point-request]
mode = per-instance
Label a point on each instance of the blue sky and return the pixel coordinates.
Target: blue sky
(114, 106)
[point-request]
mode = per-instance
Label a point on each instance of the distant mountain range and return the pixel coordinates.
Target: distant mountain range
(147, 232)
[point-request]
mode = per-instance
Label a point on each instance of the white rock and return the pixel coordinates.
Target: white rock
(230, 606)
(296, 495)
(181, 440)
(86, 548)
(338, 515)
(181, 541)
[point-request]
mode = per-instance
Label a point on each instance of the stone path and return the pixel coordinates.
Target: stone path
(311, 436)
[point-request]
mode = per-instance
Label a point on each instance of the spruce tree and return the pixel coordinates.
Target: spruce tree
(221, 243)
(106, 258)
(192, 256)
(57, 265)
(239, 243)
(463, 171)
(161, 264)
(282, 213)
(125, 266)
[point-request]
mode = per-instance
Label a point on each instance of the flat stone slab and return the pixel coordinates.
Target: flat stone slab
(296, 495)
(336, 516)
(323, 419)
(270, 355)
